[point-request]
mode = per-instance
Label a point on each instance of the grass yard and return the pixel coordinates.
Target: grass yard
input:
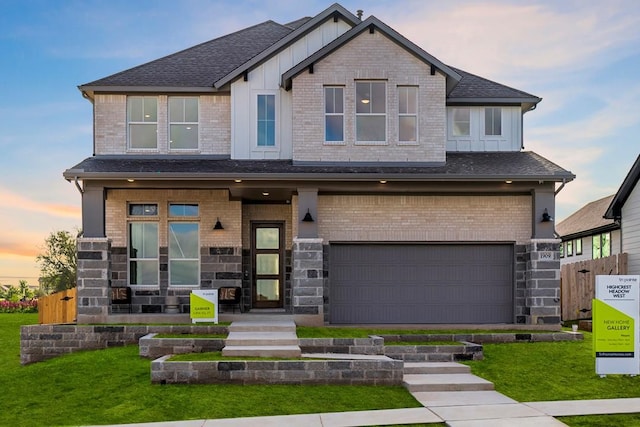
(113, 386)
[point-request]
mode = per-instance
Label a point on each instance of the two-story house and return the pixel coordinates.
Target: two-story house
(328, 166)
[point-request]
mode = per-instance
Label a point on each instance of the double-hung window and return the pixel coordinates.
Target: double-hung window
(407, 114)
(266, 136)
(143, 245)
(461, 125)
(601, 245)
(334, 114)
(371, 112)
(183, 123)
(142, 120)
(184, 245)
(493, 121)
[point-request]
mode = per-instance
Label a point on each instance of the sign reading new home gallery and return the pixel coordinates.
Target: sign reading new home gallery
(615, 325)
(204, 305)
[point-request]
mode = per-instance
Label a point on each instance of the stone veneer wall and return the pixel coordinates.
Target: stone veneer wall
(93, 276)
(307, 280)
(542, 291)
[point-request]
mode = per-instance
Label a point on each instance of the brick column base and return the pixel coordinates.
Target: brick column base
(307, 283)
(93, 277)
(542, 292)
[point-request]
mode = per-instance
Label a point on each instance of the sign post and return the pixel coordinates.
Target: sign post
(204, 305)
(615, 325)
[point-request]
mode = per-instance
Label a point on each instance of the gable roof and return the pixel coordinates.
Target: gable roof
(372, 23)
(212, 65)
(614, 211)
(587, 220)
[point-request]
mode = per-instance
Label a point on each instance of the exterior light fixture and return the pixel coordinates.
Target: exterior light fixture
(546, 217)
(237, 180)
(130, 180)
(218, 225)
(265, 193)
(508, 181)
(307, 217)
(383, 181)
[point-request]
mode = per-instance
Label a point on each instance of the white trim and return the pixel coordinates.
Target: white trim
(337, 142)
(129, 123)
(254, 121)
(169, 259)
(169, 123)
(143, 220)
(415, 114)
(384, 115)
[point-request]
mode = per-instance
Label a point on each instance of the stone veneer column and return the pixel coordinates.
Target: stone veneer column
(93, 278)
(542, 293)
(307, 276)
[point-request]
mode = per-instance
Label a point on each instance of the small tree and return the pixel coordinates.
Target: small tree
(58, 262)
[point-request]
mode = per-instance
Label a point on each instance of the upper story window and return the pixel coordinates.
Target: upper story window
(183, 123)
(266, 121)
(334, 114)
(601, 245)
(493, 121)
(461, 125)
(142, 119)
(371, 112)
(407, 114)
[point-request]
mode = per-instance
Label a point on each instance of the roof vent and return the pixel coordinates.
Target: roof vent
(359, 13)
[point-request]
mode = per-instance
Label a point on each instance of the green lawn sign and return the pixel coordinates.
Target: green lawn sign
(615, 325)
(204, 305)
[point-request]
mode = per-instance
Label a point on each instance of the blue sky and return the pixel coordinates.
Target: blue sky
(582, 57)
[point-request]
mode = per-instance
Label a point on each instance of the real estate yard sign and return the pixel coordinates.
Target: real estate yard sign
(615, 325)
(204, 305)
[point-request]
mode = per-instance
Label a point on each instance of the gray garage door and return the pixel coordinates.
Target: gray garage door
(415, 283)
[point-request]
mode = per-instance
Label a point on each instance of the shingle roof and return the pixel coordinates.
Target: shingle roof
(203, 64)
(523, 165)
(586, 220)
(472, 86)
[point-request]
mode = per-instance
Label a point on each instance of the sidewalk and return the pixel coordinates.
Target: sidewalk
(464, 414)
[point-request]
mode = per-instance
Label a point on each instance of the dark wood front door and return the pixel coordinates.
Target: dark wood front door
(267, 258)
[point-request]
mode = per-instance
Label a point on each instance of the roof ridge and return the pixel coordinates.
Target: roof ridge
(269, 21)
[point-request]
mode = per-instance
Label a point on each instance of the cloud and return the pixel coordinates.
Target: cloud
(17, 249)
(16, 202)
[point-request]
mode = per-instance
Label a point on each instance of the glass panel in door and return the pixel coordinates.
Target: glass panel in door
(267, 265)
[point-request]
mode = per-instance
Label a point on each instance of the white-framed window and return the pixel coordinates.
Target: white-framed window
(570, 248)
(184, 244)
(143, 254)
(183, 123)
(601, 245)
(266, 120)
(493, 121)
(407, 114)
(333, 114)
(371, 112)
(143, 209)
(461, 123)
(142, 122)
(578, 246)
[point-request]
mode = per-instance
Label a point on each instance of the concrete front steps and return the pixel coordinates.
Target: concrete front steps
(442, 376)
(262, 339)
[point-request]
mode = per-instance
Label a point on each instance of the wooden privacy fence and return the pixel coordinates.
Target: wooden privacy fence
(578, 281)
(60, 307)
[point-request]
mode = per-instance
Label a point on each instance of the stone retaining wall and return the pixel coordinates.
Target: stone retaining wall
(43, 342)
(371, 345)
(152, 348)
(345, 372)
(485, 338)
(435, 353)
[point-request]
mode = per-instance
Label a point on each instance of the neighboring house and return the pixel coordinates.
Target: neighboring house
(586, 234)
(331, 168)
(625, 208)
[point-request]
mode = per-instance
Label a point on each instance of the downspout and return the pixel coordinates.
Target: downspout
(555, 193)
(80, 189)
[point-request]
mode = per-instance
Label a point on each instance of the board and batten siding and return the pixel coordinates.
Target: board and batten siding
(510, 140)
(631, 230)
(587, 248)
(265, 79)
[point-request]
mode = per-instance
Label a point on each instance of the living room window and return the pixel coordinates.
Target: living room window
(601, 245)
(183, 123)
(493, 121)
(334, 114)
(461, 125)
(184, 245)
(371, 112)
(143, 253)
(266, 121)
(407, 114)
(142, 119)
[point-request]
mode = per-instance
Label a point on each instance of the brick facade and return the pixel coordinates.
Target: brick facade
(369, 57)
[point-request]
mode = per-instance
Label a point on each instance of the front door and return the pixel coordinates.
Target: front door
(267, 256)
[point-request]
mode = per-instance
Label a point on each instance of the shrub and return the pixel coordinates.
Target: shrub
(19, 306)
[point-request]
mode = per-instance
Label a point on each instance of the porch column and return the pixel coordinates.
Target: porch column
(94, 275)
(307, 283)
(544, 201)
(93, 211)
(308, 203)
(542, 291)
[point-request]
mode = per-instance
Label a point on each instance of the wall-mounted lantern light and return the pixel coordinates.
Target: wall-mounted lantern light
(545, 216)
(307, 217)
(218, 225)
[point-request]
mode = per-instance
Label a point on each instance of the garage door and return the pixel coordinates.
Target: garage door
(415, 283)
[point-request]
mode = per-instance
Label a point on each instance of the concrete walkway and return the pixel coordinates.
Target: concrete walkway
(457, 407)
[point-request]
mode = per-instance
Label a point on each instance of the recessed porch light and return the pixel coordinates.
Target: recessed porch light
(383, 181)
(508, 181)
(237, 180)
(130, 180)
(265, 193)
